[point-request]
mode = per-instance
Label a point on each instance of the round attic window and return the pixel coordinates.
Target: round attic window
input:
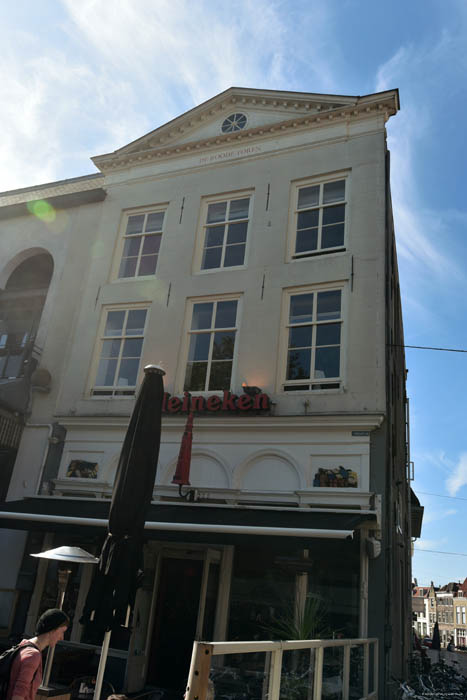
(234, 122)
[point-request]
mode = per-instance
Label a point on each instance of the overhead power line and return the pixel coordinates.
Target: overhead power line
(436, 551)
(440, 495)
(426, 347)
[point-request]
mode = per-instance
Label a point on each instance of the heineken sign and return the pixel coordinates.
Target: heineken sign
(227, 403)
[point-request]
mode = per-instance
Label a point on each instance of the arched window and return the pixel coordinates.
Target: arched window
(21, 305)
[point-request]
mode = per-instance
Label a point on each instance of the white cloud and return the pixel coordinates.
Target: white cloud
(178, 51)
(432, 515)
(196, 49)
(430, 544)
(110, 72)
(419, 227)
(52, 122)
(438, 459)
(458, 478)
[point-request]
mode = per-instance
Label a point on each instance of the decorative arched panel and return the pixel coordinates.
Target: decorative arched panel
(268, 471)
(206, 471)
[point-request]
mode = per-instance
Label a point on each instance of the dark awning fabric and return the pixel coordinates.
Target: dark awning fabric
(188, 514)
(416, 513)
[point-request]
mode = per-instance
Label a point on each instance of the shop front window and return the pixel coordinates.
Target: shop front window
(260, 594)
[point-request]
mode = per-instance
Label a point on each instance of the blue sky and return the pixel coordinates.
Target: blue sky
(83, 77)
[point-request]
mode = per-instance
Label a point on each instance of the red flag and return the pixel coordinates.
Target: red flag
(182, 473)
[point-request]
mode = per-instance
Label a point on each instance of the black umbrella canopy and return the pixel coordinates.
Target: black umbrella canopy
(113, 590)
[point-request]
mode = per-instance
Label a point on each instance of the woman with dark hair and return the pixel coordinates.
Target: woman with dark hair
(26, 669)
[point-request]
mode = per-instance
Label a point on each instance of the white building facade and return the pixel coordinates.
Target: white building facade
(247, 247)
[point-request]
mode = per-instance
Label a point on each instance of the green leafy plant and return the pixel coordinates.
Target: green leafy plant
(299, 622)
(308, 622)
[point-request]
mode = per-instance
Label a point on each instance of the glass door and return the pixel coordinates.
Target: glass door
(208, 596)
(185, 607)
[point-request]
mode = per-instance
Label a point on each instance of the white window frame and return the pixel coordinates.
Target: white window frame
(294, 211)
(203, 226)
(187, 333)
(115, 389)
(122, 237)
(282, 380)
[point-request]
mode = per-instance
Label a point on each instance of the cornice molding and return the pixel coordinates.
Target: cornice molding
(363, 421)
(322, 109)
(52, 189)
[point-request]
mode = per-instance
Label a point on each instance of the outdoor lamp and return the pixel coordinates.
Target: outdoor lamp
(70, 554)
(251, 390)
(62, 554)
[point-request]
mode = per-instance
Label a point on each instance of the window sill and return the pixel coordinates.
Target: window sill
(312, 392)
(317, 254)
(110, 397)
(140, 278)
(206, 394)
(221, 269)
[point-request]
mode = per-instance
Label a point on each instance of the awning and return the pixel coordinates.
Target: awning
(187, 522)
(416, 515)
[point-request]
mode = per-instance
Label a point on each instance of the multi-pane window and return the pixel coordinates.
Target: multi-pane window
(225, 233)
(141, 244)
(319, 218)
(211, 345)
(121, 344)
(314, 341)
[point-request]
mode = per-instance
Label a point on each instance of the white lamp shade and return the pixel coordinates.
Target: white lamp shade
(71, 554)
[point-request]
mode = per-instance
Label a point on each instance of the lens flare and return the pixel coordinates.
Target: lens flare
(42, 210)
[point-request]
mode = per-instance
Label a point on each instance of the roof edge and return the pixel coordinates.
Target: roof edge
(50, 185)
(242, 93)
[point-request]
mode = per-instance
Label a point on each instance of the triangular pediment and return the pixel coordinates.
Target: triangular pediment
(260, 107)
(235, 114)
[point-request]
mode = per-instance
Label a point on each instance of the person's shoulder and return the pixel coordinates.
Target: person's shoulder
(27, 648)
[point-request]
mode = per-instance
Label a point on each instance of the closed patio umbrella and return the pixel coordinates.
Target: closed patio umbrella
(182, 472)
(112, 593)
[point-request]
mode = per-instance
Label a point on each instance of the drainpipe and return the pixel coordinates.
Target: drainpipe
(363, 611)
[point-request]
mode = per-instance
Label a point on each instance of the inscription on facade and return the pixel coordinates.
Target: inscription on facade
(228, 402)
(226, 155)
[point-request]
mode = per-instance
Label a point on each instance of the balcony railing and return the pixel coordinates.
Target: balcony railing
(318, 669)
(14, 360)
